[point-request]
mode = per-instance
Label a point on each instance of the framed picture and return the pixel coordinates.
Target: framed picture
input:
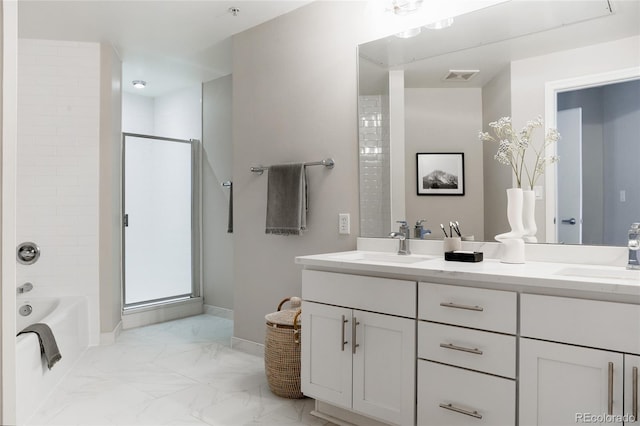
(440, 173)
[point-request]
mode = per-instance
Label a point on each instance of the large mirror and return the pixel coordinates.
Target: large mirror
(434, 92)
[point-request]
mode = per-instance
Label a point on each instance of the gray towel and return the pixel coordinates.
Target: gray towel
(48, 346)
(286, 199)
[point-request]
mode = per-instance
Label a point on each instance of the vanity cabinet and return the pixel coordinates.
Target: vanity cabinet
(578, 361)
(358, 344)
(466, 356)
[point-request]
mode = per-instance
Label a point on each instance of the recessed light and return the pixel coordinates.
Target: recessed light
(139, 84)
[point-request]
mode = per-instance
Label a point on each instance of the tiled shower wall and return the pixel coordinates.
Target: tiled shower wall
(58, 154)
(373, 121)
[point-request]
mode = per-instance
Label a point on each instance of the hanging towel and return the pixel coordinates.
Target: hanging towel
(48, 346)
(286, 199)
(230, 222)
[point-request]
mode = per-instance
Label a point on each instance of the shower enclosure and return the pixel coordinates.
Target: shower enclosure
(160, 233)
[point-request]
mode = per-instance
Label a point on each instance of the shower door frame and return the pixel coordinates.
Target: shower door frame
(196, 273)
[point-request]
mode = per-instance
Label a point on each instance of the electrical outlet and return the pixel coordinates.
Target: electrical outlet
(344, 223)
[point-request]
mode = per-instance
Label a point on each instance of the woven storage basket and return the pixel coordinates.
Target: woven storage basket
(282, 350)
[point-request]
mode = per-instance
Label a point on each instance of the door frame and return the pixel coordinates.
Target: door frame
(196, 260)
(551, 90)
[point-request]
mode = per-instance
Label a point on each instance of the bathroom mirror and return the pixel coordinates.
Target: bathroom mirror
(435, 91)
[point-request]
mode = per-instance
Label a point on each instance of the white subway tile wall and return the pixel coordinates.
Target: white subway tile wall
(375, 214)
(58, 159)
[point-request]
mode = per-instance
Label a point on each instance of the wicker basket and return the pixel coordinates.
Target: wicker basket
(282, 350)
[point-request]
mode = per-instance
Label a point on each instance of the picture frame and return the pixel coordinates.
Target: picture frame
(440, 173)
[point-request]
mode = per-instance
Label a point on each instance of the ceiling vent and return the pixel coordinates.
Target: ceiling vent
(460, 75)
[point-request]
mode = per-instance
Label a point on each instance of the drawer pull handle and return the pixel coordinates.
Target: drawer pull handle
(342, 341)
(457, 306)
(634, 372)
(452, 407)
(475, 351)
(610, 402)
(354, 324)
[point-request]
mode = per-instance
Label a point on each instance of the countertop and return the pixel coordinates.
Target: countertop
(611, 283)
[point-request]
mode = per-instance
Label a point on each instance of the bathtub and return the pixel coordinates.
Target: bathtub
(68, 319)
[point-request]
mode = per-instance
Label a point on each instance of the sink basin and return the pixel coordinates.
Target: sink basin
(609, 274)
(382, 257)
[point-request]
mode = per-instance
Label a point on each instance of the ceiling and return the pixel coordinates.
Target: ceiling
(170, 44)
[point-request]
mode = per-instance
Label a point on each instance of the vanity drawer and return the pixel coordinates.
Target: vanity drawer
(492, 310)
(453, 396)
(608, 325)
(477, 350)
(384, 295)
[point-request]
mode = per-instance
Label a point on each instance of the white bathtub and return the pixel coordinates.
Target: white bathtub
(68, 319)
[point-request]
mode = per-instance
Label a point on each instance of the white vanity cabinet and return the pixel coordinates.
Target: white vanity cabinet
(358, 344)
(578, 361)
(466, 356)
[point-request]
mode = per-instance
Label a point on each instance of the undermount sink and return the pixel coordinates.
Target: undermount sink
(609, 274)
(382, 257)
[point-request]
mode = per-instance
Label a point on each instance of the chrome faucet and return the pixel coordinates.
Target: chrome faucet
(419, 231)
(634, 246)
(403, 248)
(24, 288)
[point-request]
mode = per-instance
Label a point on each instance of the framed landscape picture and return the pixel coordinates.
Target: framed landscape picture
(440, 173)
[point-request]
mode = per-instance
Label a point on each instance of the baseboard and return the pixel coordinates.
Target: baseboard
(109, 338)
(218, 312)
(247, 346)
(342, 417)
(155, 314)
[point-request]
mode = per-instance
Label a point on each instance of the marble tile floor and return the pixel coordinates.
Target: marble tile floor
(178, 373)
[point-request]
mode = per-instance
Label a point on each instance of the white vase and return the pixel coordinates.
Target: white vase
(512, 242)
(529, 216)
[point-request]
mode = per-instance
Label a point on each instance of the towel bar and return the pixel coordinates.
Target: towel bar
(328, 163)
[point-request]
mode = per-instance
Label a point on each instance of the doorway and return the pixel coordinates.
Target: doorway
(160, 232)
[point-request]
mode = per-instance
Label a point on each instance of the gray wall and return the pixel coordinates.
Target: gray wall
(110, 210)
(445, 120)
(590, 100)
(622, 157)
(217, 244)
(496, 103)
(294, 99)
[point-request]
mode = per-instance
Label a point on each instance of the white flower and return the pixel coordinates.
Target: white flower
(512, 147)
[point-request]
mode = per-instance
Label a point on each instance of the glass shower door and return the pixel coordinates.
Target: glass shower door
(158, 205)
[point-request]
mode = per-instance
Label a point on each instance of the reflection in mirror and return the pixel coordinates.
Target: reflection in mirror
(406, 105)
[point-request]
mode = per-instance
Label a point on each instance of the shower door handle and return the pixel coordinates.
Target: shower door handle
(126, 220)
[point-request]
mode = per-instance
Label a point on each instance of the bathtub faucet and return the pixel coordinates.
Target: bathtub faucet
(25, 288)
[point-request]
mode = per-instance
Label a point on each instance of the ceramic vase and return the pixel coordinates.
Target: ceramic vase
(512, 242)
(529, 216)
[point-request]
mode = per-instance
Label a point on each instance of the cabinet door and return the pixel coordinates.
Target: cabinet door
(384, 367)
(564, 385)
(326, 368)
(631, 388)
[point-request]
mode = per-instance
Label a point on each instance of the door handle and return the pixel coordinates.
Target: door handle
(634, 380)
(571, 221)
(342, 341)
(126, 220)
(610, 393)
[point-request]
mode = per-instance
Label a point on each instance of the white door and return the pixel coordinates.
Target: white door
(564, 385)
(631, 387)
(158, 208)
(569, 177)
(326, 370)
(384, 367)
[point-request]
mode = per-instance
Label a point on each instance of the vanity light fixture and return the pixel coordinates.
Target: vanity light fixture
(139, 84)
(412, 32)
(405, 7)
(438, 25)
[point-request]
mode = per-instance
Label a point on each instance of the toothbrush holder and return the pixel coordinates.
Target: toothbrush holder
(451, 243)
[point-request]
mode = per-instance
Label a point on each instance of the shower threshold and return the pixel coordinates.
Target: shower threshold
(158, 311)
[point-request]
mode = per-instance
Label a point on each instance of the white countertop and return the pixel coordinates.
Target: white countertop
(613, 283)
